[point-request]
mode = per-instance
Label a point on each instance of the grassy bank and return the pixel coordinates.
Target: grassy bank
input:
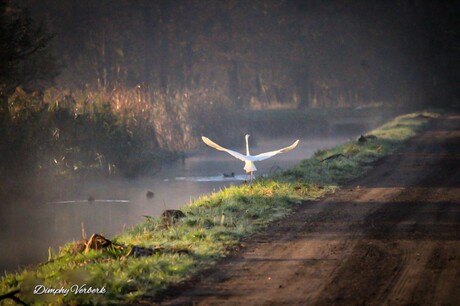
(213, 227)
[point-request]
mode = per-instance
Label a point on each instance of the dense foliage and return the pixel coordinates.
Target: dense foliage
(311, 53)
(126, 132)
(25, 59)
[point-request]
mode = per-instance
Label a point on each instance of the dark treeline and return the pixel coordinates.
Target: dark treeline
(150, 76)
(317, 53)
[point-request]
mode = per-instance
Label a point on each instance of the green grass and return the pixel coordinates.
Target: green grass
(214, 226)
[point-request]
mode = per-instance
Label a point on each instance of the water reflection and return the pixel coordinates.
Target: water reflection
(218, 178)
(88, 201)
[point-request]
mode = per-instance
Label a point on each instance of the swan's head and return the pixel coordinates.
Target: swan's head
(247, 136)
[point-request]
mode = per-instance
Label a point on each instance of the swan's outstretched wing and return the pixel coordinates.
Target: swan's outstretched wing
(210, 143)
(266, 155)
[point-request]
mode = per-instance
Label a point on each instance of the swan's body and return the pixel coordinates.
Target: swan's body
(248, 159)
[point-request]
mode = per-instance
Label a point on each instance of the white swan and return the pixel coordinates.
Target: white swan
(248, 158)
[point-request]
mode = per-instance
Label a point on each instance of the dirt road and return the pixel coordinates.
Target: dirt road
(389, 238)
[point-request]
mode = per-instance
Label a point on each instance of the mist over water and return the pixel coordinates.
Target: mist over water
(109, 205)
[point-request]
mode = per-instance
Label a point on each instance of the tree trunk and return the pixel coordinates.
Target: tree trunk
(164, 51)
(188, 62)
(148, 48)
(303, 88)
(234, 88)
(234, 92)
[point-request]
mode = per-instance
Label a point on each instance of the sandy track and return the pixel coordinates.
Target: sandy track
(389, 238)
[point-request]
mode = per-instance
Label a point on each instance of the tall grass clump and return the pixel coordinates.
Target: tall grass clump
(213, 228)
(120, 131)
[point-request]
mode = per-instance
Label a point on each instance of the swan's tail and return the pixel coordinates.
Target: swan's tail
(249, 166)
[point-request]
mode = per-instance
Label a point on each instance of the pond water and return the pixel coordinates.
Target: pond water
(108, 206)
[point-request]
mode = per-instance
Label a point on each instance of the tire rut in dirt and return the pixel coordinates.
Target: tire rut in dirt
(443, 262)
(365, 275)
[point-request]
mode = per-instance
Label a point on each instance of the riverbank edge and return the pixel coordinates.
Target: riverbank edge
(213, 228)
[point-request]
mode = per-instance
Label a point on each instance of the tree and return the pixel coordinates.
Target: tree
(24, 58)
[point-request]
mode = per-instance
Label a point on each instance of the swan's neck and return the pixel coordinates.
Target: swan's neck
(247, 146)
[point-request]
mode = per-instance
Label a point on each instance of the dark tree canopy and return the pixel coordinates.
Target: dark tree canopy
(318, 53)
(24, 58)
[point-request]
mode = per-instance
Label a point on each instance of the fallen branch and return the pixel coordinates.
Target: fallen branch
(12, 295)
(334, 156)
